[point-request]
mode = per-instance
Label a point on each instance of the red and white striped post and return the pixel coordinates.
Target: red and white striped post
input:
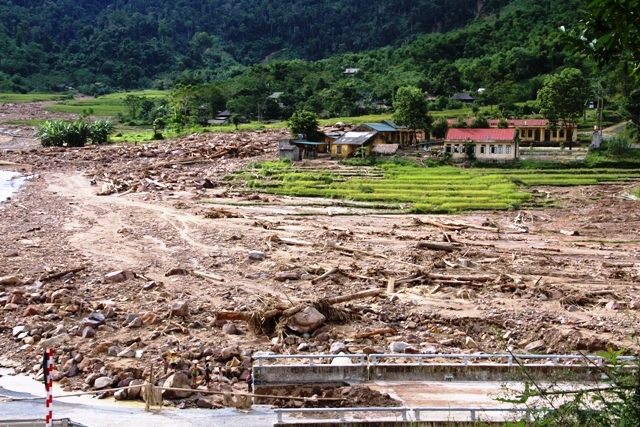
(47, 367)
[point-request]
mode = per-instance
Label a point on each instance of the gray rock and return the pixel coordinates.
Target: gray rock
(102, 382)
(543, 297)
(135, 323)
(135, 387)
(9, 280)
(429, 350)
(91, 378)
(470, 343)
(338, 347)
(303, 347)
(230, 328)
(127, 352)
(109, 313)
(113, 351)
(180, 308)
(204, 403)
(613, 305)
(118, 276)
(373, 350)
(88, 332)
(398, 347)
(535, 345)
(97, 316)
(177, 380)
(17, 330)
(121, 394)
(73, 371)
(256, 255)
(572, 308)
(305, 321)
(229, 353)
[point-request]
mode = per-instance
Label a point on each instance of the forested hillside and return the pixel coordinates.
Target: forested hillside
(129, 43)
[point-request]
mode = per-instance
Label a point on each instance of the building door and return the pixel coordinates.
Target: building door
(547, 135)
(536, 135)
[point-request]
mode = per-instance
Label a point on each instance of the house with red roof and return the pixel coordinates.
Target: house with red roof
(487, 144)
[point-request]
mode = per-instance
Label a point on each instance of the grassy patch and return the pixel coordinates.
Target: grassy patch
(104, 106)
(35, 122)
(444, 189)
(33, 97)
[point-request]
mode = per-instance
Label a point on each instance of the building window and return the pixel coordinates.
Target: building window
(555, 133)
(508, 149)
(338, 149)
(448, 148)
(483, 149)
(499, 149)
(561, 134)
(530, 133)
(492, 149)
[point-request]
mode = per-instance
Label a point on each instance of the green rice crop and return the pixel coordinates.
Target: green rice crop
(432, 190)
(33, 97)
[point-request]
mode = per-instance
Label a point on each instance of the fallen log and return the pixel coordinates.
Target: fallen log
(352, 297)
(325, 275)
(278, 239)
(204, 275)
(436, 276)
(454, 226)
(456, 282)
(617, 265)
(376, 332)
(58, 275)
(229, 315)
(342, 249)
(436, 246)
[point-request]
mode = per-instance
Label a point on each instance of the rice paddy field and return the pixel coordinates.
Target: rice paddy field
(441, 189)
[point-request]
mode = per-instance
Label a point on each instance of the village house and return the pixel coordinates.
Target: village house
(463, 97)
(488, 144)
(538, 130)
(298, 149)
(388, 132)
(349, 143)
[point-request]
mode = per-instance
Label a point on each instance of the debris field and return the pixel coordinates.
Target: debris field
(120, 255)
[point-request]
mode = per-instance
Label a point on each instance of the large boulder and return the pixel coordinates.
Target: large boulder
(306, 321)
(177, 380)
(103, 382)
(136, 386)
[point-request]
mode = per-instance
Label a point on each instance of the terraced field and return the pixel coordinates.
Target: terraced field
(428, 190)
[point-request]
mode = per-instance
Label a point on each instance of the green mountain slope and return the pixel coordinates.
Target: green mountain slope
(128, 43)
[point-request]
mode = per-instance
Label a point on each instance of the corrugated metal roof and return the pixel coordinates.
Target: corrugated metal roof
(521, 122)
(381, 127)
(354, 138)
(493, 134)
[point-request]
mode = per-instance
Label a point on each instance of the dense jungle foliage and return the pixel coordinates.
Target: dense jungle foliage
(234, 55)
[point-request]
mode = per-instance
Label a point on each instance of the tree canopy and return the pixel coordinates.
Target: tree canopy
(412, 109)
(563, 96)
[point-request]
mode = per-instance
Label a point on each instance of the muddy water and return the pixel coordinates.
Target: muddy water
(10, 182)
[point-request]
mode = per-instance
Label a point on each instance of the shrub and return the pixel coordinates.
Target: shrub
(57, 133)
(619, 145)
